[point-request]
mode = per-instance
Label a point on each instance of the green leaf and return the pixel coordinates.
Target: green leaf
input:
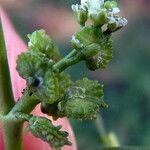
(40, 41)
(84, 99)
(48, 91)
(110, 4)
(64, 82)
(93, 40)
(52, 88)
(43, 128)
(103, 57)
(45, 85)
(32, 63)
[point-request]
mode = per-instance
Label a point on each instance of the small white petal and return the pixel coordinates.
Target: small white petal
(116, 10)
(112, 20)
(83, 1)
(94, 6)
(123, 22)
(101, 2)
(104, 27)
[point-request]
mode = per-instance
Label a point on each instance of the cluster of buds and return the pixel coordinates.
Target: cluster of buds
(94, 38)
(102, 14)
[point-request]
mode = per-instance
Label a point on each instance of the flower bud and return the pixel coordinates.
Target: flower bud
(40, 41)
(80, 13)
(99, 61)
(84, 2)
(92, 63)
(117, 24)
(110, 4)
(99, 19)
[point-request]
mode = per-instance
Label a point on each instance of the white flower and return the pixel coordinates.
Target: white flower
(94, 3)
(116, 10)
(94, 6)
(83, 2)
(123, 22)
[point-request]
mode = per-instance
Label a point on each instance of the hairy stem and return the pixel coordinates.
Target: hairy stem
(72, 58)
(7, 99)
(13, 121)
(26, 104)
(12, 135)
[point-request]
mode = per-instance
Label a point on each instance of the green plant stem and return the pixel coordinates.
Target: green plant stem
(72, 53)
(108, 140)
(72, 58)
(26, 104)
(13, 122)
(12, 135)
(7, 99)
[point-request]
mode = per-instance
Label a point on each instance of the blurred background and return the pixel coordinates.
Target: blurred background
(126, 80)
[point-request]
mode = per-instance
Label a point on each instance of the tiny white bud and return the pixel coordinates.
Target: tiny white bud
(86, 2)
(83, 2)
(116, 10)
(123, 22)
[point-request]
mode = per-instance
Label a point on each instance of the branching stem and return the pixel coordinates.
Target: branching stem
(26, 103)
(13, 122)
(72, 58)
